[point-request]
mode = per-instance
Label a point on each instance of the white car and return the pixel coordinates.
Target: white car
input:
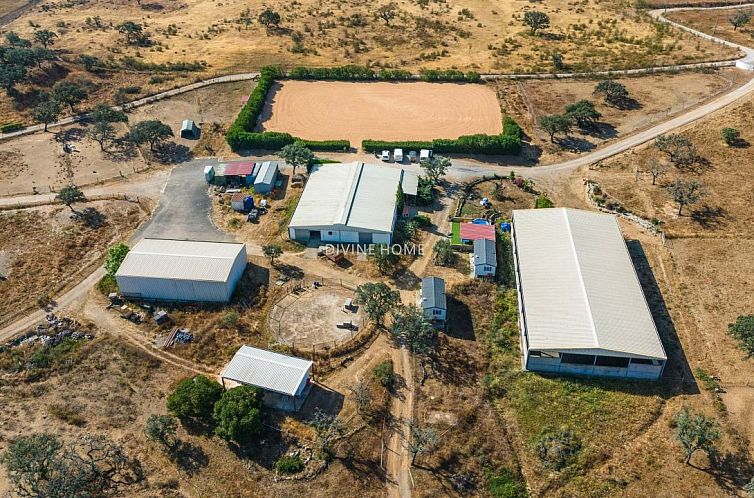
(424, 154)
(385, 156)
(398, 155)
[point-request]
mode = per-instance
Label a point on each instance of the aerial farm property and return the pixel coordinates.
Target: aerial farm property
(402, 249)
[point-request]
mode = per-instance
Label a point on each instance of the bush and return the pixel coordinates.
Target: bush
(289, 465)
(194, 398)
(557, 449)
(731, 136)
(238, 413)
(743, 330)
(422, 221)
(11, 127)
(107, 284)
(384, 374)
(505, 485)
(342, 73)
(449, 75)
(327, 145)
(424, 195)
(511, 128)
(543, 202)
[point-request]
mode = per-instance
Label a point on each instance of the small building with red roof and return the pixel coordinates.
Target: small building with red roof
(472, 232)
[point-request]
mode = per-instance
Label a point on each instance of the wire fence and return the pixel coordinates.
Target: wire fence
(289, 293)
(47, 201)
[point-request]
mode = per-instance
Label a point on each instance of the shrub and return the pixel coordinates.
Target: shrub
(743, 330)
(505, 485)
(107, 284)
(11, 127)
(557, 449)
(543, 202)
(194, 398)
(731, 136)
(328, 145)
(343, 73)
(422, 221)
(384, 374)
(115, 256)
(511, 128)
(449, 75)
(289, 464)
(424, 195)
(238, 413)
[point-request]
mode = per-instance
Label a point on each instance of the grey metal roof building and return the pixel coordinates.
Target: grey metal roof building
(353, 203)
(581, 305)
(275, 373)
(181, 270)
(432, 298)
(266, 177)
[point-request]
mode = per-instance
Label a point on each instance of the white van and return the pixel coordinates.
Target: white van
(424, 154)
(385, 156)
(398, 155)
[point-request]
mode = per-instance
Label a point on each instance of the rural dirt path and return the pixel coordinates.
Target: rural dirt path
(397, 458)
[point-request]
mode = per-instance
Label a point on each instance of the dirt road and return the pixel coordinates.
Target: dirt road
(397, 459)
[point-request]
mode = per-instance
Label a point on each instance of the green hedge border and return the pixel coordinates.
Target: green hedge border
(241, 134)
(507, 143)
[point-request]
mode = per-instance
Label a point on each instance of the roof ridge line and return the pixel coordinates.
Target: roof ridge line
(276, 362)
(355, 181)
(581, 278)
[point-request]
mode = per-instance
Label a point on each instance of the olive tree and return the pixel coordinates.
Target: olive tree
(69, 195)
(272, 251)
(45, 37)
(47, 112)
(194, 398)
(387, 12)
(739, 20)
(679, 148)
(435, 167)
(161, 428)
(554, 124)
(269, 19)
(377, 299)
(152, 131)
(686, 192)
(614, 93)
(238, 414)
(696, 432)
(536, 20)
(421, 440)
(657, 169)
(69, 93)
(297, 154)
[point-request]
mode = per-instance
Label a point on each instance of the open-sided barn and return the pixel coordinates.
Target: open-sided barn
(581, 306)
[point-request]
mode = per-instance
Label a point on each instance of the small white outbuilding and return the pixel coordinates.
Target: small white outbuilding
(181, 270)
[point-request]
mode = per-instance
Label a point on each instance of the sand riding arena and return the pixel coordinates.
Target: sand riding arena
(309, 317)
(325, 110)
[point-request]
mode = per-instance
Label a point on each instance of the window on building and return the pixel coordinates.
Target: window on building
(329, 233)
(611, 361)
(487, 268)
(436, 312)
(577, 359)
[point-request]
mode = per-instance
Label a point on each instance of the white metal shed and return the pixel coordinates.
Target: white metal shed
(181, 270)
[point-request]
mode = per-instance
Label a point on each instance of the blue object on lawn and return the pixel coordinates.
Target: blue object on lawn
(505, 226)
(480, 221)
(248, 203)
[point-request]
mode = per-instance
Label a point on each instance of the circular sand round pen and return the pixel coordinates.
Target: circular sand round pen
(323, 110)
(311, 318)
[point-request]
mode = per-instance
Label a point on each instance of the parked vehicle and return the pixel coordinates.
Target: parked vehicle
(385, 156)
(398, 155)
(413, 156)
(425, 154)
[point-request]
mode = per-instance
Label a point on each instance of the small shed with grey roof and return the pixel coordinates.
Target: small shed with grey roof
(181, 270)
(266, 177)
(432, 299)
(189, 129)
(484, 258)
(284, 379)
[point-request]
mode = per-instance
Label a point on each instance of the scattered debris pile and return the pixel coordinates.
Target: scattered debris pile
(51, 333)
(177, 336)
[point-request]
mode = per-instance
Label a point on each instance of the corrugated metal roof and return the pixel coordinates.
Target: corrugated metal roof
(266, 173)
(180, 260)
(470, 231)
(354, 195)
(410, 182)
(485, 252)
(240, 168)
(433, 293)
(266, 369)
(579, 287)
(220, 169)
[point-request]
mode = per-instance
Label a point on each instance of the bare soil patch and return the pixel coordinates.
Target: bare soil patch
(310, 317)
(382, 111)
(45, 249)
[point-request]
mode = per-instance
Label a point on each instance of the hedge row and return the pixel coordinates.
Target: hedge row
(11, 127)
(241, 134)
(450, 75)
(508, 142)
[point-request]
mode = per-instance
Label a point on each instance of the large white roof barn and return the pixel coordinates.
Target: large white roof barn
(350, 203)
(582, 308)
(181, 270)
(284, 379)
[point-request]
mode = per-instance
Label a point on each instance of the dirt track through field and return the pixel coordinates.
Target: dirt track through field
(323, 110)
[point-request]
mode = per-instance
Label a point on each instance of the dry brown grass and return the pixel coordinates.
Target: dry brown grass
(46, 249)
(716, 22)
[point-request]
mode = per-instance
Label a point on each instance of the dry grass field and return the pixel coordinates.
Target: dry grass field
(488, 36)
(716, 22)
(7, 6)
(43, 250)
(381, 111)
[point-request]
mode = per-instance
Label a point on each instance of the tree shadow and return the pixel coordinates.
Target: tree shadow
(405, 279)
(576, 144)
(90, 217)
(121, 151)
(453, 365)
(189, 457)
(732, 471)
(627, 104)
(600, 130)
(74, 134)
(712, 218)
(677, 370)
(290, 271)
(460, 324)
(172, 153)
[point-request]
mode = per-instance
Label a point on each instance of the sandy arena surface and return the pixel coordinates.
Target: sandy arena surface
(383, 111)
